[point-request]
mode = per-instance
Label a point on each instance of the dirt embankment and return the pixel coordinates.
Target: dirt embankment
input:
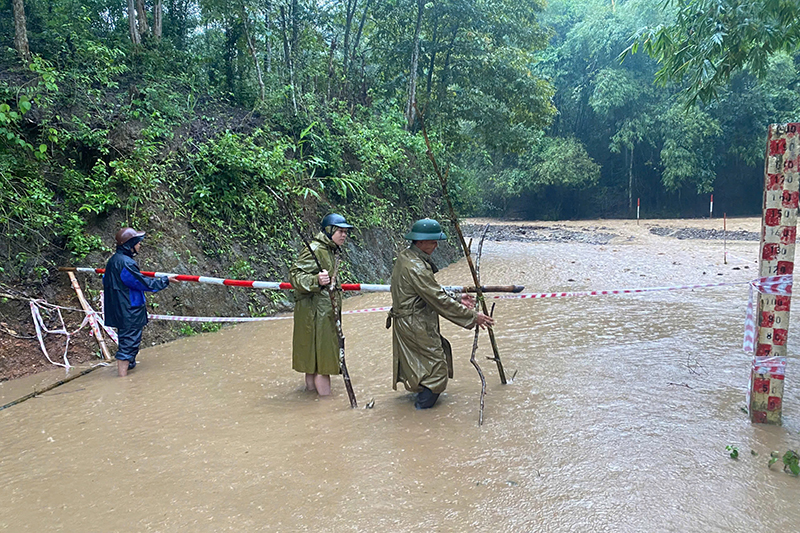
(172, 246)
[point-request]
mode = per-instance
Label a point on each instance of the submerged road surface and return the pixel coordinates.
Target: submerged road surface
(617, 420)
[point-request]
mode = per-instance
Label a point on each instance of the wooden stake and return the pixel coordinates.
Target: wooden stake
(478, 329)
(464, 247)
(98, 335)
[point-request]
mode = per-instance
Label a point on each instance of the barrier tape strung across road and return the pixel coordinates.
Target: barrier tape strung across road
(777, 285)
(252, 318)
(763, 282)
(610, 292)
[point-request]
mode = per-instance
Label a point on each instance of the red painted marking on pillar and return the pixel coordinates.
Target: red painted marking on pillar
(777, 147)
(761, 385)
(763, 350)
(767, 319)
(789, 235)
(770, 251)
(785, 267)
(782, 303)
(775, 182)
(772, 217)
(773, 403)
(779, 336)
(790, 199)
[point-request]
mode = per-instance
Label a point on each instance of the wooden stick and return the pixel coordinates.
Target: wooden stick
(98, 335)
(53, 386)
(454, 219)
(330, 289)
(478, 329)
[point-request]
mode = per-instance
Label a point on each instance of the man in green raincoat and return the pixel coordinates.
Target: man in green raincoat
(422, 358)
(315, 344)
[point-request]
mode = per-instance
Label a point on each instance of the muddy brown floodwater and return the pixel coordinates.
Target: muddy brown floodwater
(617, 420)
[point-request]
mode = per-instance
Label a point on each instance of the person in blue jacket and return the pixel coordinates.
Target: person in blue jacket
(123, 292)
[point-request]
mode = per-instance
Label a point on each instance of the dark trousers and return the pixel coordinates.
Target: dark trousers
(129, 341)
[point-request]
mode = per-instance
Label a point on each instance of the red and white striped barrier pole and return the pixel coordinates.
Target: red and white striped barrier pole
(711, 208)
(282, 285)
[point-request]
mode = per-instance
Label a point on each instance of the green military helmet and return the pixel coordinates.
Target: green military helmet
(426, 229)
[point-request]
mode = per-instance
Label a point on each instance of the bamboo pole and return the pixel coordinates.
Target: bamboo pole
(464, 247)
(98, 335)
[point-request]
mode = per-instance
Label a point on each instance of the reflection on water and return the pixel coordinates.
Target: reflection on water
(617, 420)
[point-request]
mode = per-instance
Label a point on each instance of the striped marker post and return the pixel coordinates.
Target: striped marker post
(711, 208)
(778, 236)
(638, 204)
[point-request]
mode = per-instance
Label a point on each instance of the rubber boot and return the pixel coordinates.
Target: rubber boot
(426, 399)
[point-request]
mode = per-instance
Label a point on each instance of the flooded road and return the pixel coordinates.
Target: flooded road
(617, 420)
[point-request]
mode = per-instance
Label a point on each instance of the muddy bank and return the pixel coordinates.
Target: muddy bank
(176, 247)
(700, 233)
(541, 233)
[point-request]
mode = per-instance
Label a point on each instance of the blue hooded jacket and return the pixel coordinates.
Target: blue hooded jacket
(123, 289)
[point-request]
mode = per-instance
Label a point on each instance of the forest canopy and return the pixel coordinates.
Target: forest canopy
(107, 106)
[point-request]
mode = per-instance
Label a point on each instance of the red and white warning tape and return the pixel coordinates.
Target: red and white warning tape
(251, 318)
(609, 292)
(777, 285)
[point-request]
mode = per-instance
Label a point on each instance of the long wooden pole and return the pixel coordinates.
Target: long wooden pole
(454, 219)
(52, 386)
(98, 335)
(330, 289)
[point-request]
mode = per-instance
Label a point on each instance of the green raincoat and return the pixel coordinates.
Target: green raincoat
(315, 345)
(421, 356)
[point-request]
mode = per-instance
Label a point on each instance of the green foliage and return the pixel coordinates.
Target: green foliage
(688, 149)
(710, 40)
(733, 451)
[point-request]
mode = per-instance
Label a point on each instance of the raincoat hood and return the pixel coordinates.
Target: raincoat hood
(127, 247)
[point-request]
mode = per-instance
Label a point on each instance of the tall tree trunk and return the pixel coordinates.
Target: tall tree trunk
(21, 31)
(350, 10)
(136, 39)
(630, 182)
(446, 67)
(157, 18)
(251, 46)
(287, 54)
(331, 70)
(142, 18)
(434, 45)
(360, 31)
(268, 35)
(412, 79)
